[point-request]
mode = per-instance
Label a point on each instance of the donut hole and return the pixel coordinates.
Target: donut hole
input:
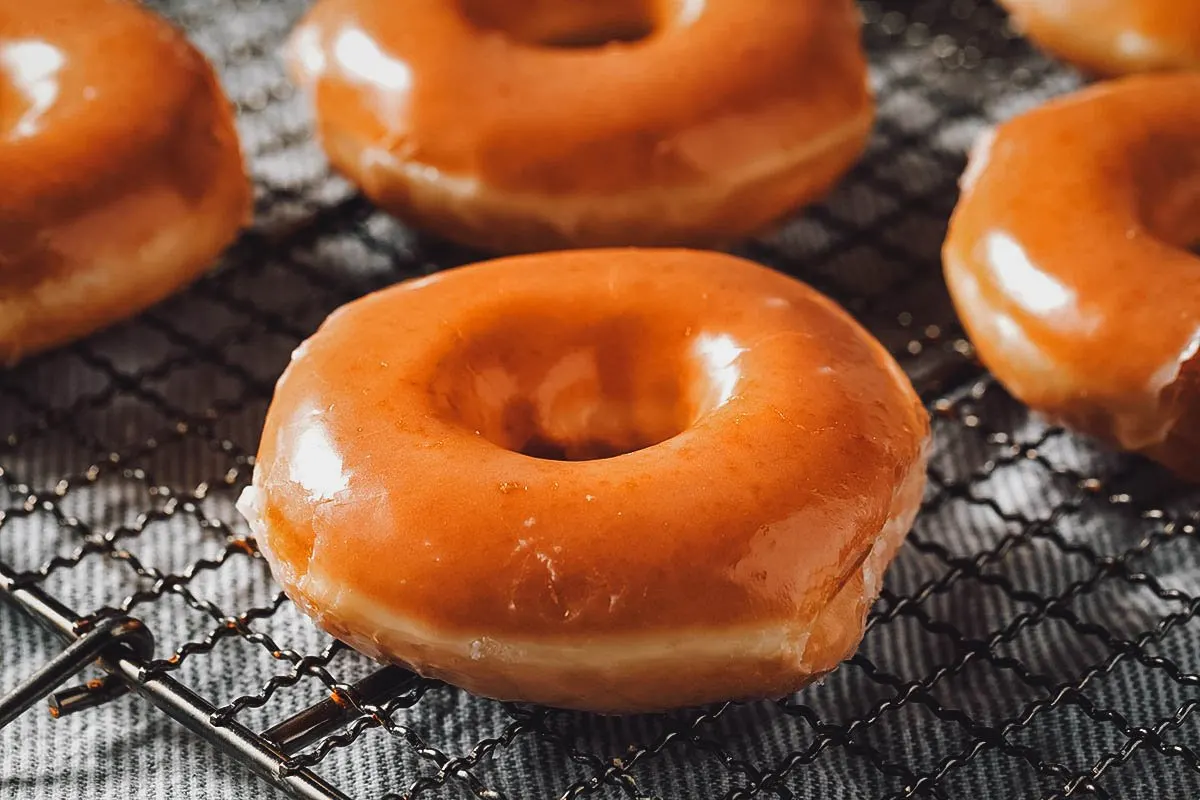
(567, 23)
(545, 388)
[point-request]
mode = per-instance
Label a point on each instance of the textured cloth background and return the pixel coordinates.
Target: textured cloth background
(1037, 632)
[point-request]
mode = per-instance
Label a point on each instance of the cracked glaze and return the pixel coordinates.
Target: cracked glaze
(734, 463)
(1114, 37)
(457, 115)
(1066, 257)
(121, 170)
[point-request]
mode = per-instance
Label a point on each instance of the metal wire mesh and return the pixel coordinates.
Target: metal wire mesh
(1035, 635)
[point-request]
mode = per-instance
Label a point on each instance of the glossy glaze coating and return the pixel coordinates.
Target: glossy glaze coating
(734, 554)
(468, 117)
(121, 171)
(1066, 259)
(1114, 37)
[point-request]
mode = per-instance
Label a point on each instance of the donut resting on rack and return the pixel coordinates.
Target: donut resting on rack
(1067, 260)
(121, 176)
(517, 125)
(1114, 37)
(611, 480)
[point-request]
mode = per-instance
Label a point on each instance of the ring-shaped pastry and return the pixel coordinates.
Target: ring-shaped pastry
(1067, 260)
(1114, 37)
(518, 125)
(612, 480)
(121, 175)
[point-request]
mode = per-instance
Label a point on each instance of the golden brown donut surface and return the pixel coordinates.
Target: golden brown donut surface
(745, 460)
(1114, 37)
(121, 171)
(488, 123)
(1066, 259)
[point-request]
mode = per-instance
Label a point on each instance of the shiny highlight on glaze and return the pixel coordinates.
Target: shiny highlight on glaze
(1074, 280)
(735, 461)
(31, 66)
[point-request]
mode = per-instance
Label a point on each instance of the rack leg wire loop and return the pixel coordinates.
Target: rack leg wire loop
(108, 639)
(128, 645)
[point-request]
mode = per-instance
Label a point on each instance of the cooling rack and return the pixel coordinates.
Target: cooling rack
(1035, 637)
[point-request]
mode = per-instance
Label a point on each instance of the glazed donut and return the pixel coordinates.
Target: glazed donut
(1065, 258)
(517, 125)
(611, 480)
(1114, 37)
(120, 167)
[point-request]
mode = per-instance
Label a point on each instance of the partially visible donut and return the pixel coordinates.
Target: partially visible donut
(121, 175)
(611, 480)
(1067, 260)
(1114, 37)
(517, 125)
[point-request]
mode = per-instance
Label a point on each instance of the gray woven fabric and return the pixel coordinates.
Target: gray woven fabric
(999, 663)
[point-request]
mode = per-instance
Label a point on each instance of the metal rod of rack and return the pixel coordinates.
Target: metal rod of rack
(324, 717)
